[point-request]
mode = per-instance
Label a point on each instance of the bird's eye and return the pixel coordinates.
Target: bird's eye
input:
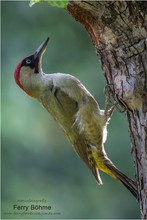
(28, 61)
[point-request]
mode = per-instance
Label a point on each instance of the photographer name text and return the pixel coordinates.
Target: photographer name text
(31, 207)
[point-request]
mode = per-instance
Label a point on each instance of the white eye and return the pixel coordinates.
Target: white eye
(28, 61)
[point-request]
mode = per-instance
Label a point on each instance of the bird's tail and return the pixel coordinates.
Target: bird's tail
(127, 182)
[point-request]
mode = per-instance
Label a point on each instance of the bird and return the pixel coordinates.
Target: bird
(75, 110)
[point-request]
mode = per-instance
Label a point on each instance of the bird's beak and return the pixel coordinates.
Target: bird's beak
(38, 55)
(41, 49)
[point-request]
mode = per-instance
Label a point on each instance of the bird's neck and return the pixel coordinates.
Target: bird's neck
(34, 84)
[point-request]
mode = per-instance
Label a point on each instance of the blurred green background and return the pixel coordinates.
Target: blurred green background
(37, 161)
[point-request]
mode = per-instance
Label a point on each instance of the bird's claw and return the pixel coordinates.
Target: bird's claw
(110, 105)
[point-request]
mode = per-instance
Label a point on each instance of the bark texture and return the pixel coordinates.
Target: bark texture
(118, 30)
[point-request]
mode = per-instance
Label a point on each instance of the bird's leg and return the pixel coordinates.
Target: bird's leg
(109, 105)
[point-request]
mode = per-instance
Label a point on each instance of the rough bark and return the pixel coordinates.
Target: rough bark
(119, 33)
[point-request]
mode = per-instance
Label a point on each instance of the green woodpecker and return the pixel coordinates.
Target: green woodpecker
(75, 110)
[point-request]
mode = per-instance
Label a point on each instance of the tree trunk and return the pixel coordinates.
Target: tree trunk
(119, 33)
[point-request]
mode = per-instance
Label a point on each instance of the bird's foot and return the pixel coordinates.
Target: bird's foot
(110, 105)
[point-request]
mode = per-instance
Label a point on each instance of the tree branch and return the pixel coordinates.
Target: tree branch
(118, 30)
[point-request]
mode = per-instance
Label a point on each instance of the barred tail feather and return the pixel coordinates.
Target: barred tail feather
(127, 182)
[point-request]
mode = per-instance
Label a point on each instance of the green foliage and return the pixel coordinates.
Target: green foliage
(33, 2)
(60, 4)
